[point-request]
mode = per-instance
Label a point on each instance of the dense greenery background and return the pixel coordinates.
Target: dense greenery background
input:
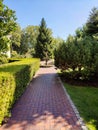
(79, 53)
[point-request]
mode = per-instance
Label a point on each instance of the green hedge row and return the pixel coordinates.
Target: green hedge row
(14, 77)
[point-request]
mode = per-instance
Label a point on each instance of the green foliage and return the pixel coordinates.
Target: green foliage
(80, 52)
(4, 44)
(92, 23)
(14, 54)
(14, 78)
(7, 88)
(24, 43)
(16, 38)
(7, 25)
(66, 54)
(28, 41)
(86, 100)
(43, 48)
(77, 53)
(32, 32)
(3, 59)
(81, 32)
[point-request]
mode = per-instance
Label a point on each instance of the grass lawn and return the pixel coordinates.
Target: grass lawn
(86, 101)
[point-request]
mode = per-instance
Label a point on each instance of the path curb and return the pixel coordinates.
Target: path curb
(80, 120)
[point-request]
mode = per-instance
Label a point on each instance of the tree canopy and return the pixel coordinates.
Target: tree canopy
(7, 25)
(92, 23)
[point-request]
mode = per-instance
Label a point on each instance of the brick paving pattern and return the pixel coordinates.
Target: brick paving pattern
(43, 106)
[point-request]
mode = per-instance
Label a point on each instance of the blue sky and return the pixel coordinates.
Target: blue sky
(62, 16)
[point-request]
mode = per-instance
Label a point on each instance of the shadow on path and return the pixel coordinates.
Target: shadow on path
(43, 106)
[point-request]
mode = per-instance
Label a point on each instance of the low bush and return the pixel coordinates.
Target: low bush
(14, 78)
(3, 59)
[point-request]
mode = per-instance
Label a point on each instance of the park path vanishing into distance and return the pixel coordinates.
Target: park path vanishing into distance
(43, 106)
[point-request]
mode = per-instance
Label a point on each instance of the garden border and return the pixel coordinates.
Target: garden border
(80, 120)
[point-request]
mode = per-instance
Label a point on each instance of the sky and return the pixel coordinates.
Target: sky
(62, 16)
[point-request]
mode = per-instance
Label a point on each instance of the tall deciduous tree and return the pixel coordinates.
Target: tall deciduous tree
(28, 40)
(32, 32)
(24, 47)
(16, 38)
(43, 47)
(7, 25)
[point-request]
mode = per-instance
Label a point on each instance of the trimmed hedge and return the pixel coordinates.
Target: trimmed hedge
(3, 59)
(14, 78)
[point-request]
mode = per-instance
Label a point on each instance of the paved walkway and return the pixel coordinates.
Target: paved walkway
(43, 106)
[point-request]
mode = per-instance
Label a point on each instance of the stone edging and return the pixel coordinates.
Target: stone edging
(80, 120)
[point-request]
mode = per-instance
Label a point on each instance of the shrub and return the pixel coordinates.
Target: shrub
(7, 89)
(14, 78)
(3, 59)
(78, 54)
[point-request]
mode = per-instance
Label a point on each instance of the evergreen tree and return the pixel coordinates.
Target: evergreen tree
(43, 47)
(92, 23)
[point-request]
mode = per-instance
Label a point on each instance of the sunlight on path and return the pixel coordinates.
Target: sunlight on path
(43, 106)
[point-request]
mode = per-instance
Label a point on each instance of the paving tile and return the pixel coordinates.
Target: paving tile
(43, 106)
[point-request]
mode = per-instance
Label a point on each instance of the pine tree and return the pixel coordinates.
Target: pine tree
(43, 47)
(92, 23)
